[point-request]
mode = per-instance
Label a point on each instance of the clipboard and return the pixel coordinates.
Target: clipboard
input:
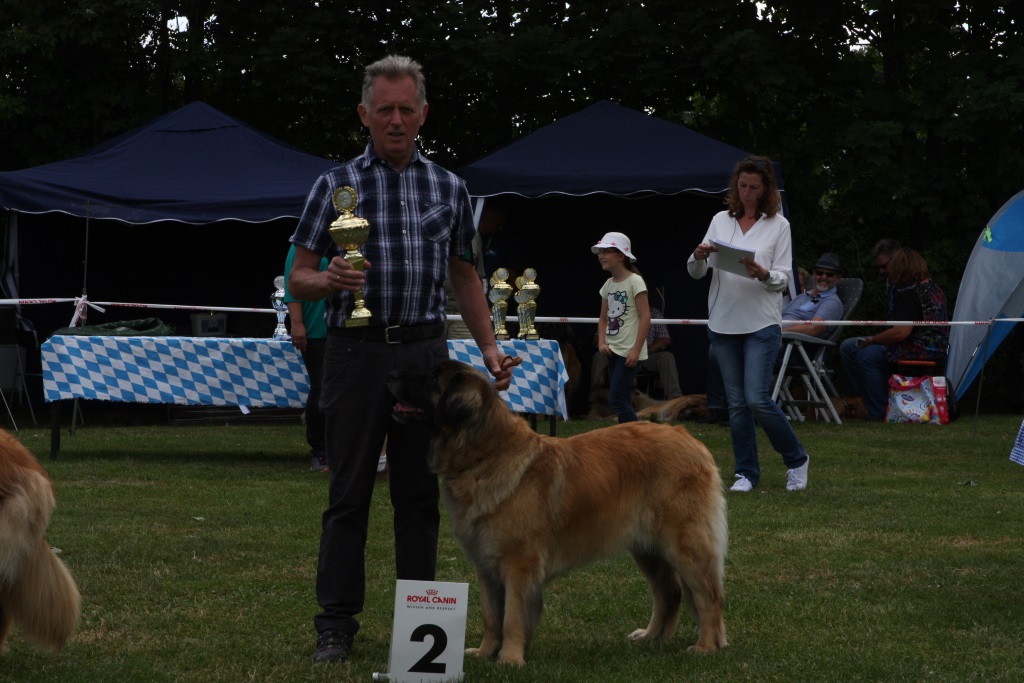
(728, 257)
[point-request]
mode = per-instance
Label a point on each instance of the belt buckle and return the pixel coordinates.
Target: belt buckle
(387, 334)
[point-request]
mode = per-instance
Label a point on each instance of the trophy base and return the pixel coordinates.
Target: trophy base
(501, 337)
(357, 322)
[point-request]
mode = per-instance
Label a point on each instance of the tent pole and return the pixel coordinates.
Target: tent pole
(85, 263)
(981, 377)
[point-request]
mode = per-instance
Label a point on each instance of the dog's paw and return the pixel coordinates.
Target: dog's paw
(512, 659)
(639, 634)
(701, 649)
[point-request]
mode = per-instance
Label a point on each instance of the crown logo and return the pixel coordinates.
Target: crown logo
(431, 591)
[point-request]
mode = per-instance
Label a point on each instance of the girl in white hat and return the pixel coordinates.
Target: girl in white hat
(625, 321)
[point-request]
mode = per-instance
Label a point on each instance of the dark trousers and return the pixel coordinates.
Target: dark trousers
(358, 405)
(313, 357)
(620, 387)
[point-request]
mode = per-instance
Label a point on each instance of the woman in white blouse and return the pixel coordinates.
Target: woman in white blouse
(745, 316)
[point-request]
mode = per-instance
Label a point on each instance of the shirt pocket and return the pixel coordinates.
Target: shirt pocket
(436, 222)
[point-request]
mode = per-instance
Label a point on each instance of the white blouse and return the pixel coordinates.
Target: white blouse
(738, 304)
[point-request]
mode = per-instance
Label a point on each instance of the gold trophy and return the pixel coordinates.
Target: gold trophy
(526, 297)
(498, 293)
(350, 232)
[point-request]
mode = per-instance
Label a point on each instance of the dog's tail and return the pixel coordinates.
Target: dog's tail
(43, 599)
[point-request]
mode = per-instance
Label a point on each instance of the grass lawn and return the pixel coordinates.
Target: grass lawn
(195, 549)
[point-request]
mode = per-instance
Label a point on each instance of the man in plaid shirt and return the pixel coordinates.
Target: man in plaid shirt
(421, 228)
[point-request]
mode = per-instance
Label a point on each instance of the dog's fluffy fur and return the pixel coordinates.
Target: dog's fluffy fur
(37, 592)
(600, 409)
(527, 508)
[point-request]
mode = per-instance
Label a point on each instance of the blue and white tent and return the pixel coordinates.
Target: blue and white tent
(992, 288)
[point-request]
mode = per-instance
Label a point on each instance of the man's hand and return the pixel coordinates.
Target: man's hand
(343, 276)
(500, 366)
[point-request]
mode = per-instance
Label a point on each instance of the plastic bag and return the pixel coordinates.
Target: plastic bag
(920, 400)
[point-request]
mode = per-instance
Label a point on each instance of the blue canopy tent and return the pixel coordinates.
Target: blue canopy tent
(176, 176)
(607, 149)
(193, 165)
(608, 167)
(992, 288)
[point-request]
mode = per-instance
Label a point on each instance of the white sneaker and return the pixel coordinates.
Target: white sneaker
(382, 463)
(742, 484)
(796, 479)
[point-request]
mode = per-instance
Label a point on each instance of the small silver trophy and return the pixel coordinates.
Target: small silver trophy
(277, 301)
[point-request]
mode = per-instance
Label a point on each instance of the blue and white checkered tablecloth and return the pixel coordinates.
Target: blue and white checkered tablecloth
(538, 385)
(183, 370)
(1017, 452)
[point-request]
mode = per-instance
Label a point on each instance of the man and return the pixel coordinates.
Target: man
(660, 360)
(881, 254)
(419, 217)
(820, 303)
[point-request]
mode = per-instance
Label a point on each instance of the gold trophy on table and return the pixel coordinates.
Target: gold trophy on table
(526, 297)
(350, 232)
(498, 293)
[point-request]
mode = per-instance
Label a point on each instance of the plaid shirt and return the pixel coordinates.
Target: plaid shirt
(418, 218)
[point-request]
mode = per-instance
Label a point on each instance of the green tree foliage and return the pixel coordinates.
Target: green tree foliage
(891, 118)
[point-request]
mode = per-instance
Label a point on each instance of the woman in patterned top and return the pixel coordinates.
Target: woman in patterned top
(869, 361)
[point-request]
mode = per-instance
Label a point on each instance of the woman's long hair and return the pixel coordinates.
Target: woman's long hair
(770, 202)
(907, 267)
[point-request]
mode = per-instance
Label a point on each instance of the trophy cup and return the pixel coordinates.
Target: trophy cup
(350, 232)
(526, 297)
(499, 292)
(281, 308)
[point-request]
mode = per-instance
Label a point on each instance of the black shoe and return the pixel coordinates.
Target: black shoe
(332, 646)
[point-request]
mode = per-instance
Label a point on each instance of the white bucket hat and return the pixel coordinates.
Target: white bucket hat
(615, 240)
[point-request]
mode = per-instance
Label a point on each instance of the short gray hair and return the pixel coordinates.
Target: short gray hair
(394, 67)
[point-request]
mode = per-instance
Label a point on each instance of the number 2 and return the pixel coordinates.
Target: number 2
(426, 664)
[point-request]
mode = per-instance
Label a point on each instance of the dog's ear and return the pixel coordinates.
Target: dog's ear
(460, 400)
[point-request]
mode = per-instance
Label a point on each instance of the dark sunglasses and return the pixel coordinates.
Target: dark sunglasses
(826, 273)
(759, 164)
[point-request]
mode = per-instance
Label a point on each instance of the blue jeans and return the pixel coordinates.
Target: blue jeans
(868, 372)
(747, 362)
(620, 387)
(716, 387)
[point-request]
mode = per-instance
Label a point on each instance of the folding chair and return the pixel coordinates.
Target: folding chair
(810, 368)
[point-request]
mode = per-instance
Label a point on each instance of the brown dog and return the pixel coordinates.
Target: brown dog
(37, 592)
(527, 508)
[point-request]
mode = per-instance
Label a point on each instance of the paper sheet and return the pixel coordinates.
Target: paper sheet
(728, 256)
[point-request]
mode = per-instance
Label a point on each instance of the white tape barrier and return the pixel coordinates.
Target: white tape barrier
(80, 302)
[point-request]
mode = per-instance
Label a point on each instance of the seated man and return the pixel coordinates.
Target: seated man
(660, 360)
(818, 303)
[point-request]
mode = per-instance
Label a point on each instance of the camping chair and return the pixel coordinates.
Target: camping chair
(810, 367)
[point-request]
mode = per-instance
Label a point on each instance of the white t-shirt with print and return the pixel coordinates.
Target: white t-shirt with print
(623, 322)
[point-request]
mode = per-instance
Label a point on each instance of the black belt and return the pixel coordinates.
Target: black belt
(394, 334)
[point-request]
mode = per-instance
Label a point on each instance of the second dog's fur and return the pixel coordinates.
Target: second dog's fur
(37, 592)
